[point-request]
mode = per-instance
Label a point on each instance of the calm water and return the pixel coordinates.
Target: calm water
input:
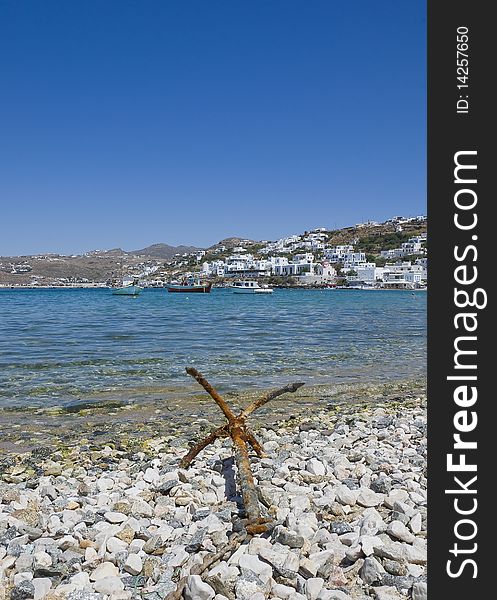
(65, 345)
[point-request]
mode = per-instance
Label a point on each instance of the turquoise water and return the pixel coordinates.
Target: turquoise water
(59, 346)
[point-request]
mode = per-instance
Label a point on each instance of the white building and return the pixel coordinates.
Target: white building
(214, 268)
(369, 273)
(301, 264)
(352, 260)
(413, 245)
(335, 254)
(326, 271)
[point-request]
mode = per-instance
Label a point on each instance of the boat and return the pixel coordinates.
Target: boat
(194, 286)
(250, 287)
(127, 290)
(130, 288)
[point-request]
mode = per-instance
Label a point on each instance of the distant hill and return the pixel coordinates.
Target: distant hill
(163, 251)
(232, 242)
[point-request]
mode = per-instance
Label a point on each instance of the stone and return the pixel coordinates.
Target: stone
(155, 545)
(399, 569)
(333, 595)
(353, 553)
(346, 496)
(249, 562)
(371, 571)
(371, 522)
(400, 583)
(391, 550)
(282, 591)
(399, 531)
(91, 555)
(288, 538)
(224, 571)
(248, 585)
(335, 575)
(80, 580)
(42, 586)
(104, 484)
(313, 587)
(416, 523)
(167, 486)
(387, 593)
(316, 467)
(24, 562)
(340, 527)
(42, 559)
(367, 497)
(82, 595)
(396, 495)
(196, 541)
(103, 571)
(109, 585)
(178, 558)
(196, 589)
(133, 564)
(151, 475)
(26, 576)
(127, 534)
(140, 508)
(369, 543)
(415, 555)
(24, 590)
(381, 485)
(115, 545)
(308, 568)
(419, 591)
(115, 517)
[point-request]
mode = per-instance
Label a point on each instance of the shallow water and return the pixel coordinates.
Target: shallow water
(60, 346)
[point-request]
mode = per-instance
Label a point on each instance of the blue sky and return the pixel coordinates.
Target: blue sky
(126, 123)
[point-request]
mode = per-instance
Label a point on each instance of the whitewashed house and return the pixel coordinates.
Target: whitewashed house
(301, 264)
(335, 254)
(326, 271)
(352, 260)
(369, 273)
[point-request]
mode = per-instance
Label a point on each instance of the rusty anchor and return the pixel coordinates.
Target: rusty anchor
(241, 435)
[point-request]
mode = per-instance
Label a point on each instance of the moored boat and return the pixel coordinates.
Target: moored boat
(129, 287)
(191, 285)
(250, 287)
(127, 290)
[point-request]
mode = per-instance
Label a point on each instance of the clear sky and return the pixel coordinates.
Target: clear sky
(125, 123)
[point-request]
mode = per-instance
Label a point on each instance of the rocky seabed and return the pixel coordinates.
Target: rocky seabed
(346, 490)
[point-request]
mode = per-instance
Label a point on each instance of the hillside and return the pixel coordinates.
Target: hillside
(230, 243)
(164, 251)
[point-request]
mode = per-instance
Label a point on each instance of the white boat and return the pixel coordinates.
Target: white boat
(250, 287)
(128, 288)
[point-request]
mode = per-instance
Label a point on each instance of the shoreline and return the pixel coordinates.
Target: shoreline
(185, 413)
(97, 286)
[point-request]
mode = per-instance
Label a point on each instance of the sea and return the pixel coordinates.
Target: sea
(62, 346)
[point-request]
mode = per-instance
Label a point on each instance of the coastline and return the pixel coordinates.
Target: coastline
(181, 413)
(97, 286)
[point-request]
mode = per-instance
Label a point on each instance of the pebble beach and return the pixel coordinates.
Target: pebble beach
(100, 517)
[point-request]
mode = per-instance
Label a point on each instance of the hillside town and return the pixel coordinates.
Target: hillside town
(313, 260)
(388, 255)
